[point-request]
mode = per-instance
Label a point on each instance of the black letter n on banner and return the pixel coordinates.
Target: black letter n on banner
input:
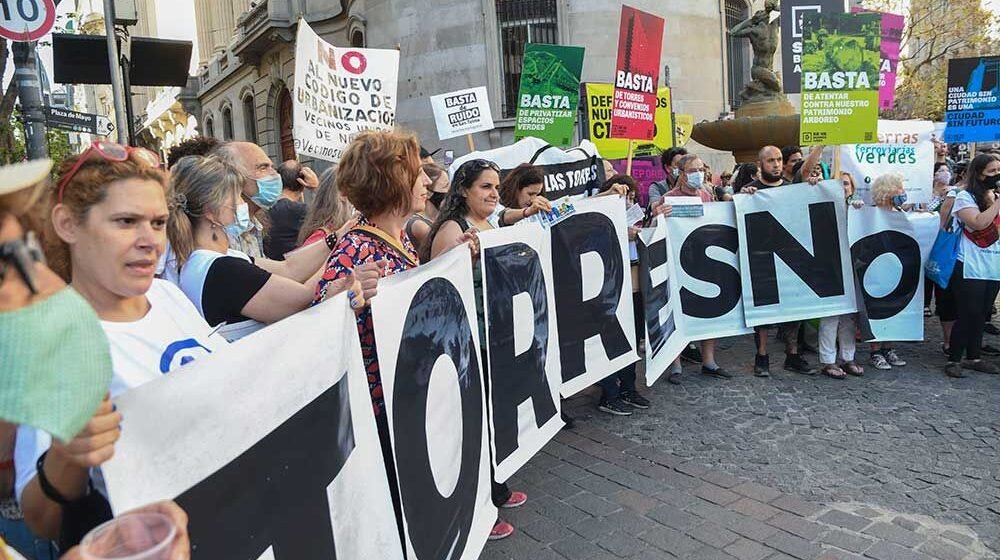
(436, 324)
(511, 270)
(578, 319)
(767, 239)
(654, 298)
(274, 494)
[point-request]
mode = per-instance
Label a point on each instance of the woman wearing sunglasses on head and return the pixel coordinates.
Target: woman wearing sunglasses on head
(108, 229)
(471, 199)
(228, 287)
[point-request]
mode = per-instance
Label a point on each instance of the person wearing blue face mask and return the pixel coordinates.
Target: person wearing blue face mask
(889, 195)
(227, 286)
(261, 189)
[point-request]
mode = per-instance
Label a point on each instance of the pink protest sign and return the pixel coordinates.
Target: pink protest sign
(892, 35)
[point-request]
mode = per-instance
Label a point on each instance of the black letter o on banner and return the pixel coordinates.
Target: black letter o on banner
(867, 249)
(436, 324)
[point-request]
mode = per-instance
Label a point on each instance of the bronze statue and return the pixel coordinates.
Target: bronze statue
(763, 35)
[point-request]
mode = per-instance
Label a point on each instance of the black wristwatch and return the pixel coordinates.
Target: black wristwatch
(47, 488)
(331, 240)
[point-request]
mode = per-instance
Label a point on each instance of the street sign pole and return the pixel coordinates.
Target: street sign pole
(29, 90)
(116, 83)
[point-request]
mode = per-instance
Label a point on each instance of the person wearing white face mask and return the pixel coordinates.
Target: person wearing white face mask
(227, 286)
(261, 189)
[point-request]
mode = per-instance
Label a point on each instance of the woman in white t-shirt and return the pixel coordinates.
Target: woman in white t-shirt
(977, 270)
(108, 231)
(227, 286)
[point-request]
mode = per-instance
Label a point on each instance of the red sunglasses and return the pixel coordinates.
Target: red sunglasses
(111, 152)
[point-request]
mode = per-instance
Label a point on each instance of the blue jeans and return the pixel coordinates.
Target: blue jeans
(20, 538)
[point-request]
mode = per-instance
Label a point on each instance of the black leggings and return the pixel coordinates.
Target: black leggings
(973, 301)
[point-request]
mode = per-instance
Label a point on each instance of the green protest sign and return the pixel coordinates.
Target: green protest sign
(840, 78)
(549, 93)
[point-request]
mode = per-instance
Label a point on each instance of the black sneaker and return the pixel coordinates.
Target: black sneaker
(762, 365)
(717, 372)
(674, 377)
(615, 407)
(798, 364)
(691, 354)
(988, 350)
(634, 399)
(990, 328)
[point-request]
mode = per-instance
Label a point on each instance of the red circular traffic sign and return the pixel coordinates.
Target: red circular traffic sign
(26, 20)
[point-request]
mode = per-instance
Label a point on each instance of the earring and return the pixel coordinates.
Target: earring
(214, 236)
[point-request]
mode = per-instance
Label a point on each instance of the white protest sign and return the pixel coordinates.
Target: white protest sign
(339, 92)
(664, 342)
(295, 442)
(429, 357)
(522, 343)
(794, 259)
(462, 112)
(704, 259)
(889, 250)
(905, 147)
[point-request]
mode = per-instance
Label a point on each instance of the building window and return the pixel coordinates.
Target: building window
(227, 124)
(210, 127)
(521, 22)
(249, 119)
(738, 51)
(358, 39)
(285, 138)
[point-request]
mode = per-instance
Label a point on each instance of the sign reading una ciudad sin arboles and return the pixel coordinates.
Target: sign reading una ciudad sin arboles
(640, 38)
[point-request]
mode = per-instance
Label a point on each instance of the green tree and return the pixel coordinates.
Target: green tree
(12, 147)
(936, 31)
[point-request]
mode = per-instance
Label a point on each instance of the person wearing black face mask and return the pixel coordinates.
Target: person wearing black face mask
(418, 227)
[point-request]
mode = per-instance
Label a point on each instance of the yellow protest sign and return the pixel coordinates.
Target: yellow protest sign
(684, 124)
(597, 107)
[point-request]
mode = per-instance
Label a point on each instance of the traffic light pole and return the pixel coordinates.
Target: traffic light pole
(29, 90)
(121, 119)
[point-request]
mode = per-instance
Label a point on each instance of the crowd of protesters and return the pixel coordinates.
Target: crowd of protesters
(221, 243)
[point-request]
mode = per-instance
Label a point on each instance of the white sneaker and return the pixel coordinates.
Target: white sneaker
(894, 359)
(879, 362)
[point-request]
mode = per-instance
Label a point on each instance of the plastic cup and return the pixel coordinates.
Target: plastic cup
(131, 536)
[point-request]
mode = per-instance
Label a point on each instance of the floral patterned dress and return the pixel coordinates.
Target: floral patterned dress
(355, 248)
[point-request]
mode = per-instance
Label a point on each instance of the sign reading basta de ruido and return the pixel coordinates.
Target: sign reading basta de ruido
(840, 78)
(640, 38)
(549, 94)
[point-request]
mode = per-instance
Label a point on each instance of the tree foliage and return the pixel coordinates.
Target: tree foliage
(12, 148)
(936, 31)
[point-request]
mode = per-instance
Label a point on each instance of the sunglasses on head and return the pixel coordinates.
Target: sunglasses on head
(108, 151)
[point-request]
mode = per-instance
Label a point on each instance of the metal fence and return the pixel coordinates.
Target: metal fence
(738, 51)
(521, 22)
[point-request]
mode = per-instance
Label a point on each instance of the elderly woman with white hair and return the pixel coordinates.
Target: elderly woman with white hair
(888, 194)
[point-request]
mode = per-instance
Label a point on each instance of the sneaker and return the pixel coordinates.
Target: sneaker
(990, 328)
(717, 372)
(953, 369)
(927, 312)
(798, 364)
(980, 366)
(674, 378)
(893, 358)
(501, 530)
(515, 500)
(634, 399)
(988, 350)
(615, 407)
(879, 361)
(691, 354)
(762, 366)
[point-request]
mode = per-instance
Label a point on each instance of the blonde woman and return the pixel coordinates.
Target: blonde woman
(888, 195)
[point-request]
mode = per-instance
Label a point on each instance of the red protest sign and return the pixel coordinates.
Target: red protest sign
(640, 38)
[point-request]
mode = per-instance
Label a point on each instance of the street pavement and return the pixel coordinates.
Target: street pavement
(897, 464)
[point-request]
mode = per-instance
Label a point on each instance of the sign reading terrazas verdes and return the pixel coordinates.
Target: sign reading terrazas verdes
(840, 78)
(340, 92)
(462, 112)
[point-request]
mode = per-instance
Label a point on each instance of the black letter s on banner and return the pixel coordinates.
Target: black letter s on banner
(578, 319)
(436, 324)
(697, 264)
(274, 494)
(511, 270)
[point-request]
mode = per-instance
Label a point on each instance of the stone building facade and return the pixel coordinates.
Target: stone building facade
(241, 90)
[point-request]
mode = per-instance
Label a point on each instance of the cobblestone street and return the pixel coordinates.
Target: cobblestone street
(898, 464)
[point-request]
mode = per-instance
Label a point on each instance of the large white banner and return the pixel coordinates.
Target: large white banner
(593, 293)
(794, 259)
(462, 112)
(268, 462)
(429, 356)
(704, 258)
(339, 92)
(664, 342)
(522, 343)
(889, 250)
(904, 147)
